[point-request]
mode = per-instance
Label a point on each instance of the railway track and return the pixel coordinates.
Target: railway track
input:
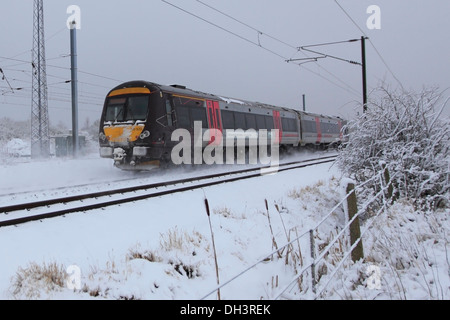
(40, 210)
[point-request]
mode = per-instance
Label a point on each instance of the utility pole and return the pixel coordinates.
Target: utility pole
(364, 72)
(40, 140)
(74, 82)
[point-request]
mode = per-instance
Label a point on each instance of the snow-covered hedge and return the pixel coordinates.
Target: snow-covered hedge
(408, 132)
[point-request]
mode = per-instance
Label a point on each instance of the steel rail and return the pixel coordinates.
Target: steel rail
(102, 204)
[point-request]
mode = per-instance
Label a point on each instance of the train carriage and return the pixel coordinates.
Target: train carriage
(139, 119)
(319, 130)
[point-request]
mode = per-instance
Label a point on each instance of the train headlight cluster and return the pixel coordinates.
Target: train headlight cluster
(102, 136)
(140, 151)
(145, 134)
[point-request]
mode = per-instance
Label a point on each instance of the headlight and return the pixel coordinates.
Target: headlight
(140, 151)
(145, 134)
(102, 136)
(106, 152)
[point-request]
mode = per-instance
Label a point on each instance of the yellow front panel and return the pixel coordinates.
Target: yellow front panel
(123, 133)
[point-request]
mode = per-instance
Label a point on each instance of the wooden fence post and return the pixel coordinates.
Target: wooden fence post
(355, 232)
(387, 180)
(313, 258)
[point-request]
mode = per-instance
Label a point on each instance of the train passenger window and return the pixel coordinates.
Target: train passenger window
(292, 123)
(189, 110)
(199, 114)
(269, 123)
(336, 128)
(239, 121)
(260, 122)
(227, 119)
(285, 124)
(251, 121)
(330, 128)
(289, 124)
(309, 126)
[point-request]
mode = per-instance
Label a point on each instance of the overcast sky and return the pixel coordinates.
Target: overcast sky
(155, 41)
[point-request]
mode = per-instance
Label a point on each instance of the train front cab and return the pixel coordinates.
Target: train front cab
(128, 128)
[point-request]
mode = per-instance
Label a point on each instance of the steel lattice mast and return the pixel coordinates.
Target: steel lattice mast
(40, 140)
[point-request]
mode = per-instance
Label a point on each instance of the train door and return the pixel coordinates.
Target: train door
(277, 125)
(214, 120)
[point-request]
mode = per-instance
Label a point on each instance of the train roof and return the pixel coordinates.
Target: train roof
(183, 90)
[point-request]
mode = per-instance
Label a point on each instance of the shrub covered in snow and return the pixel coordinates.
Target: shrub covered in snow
(17, 148)
(407, 132)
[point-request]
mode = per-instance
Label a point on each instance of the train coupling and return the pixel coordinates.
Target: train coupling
(119, 154)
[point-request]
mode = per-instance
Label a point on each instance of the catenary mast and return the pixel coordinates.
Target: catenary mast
(40, 140)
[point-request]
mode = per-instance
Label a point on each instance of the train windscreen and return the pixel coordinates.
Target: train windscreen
(127, 109)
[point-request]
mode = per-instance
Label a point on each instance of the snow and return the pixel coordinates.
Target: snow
(161, 248)
(17, 148)
(229, 101)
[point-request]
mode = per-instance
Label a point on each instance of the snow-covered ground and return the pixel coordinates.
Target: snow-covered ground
(162, 248)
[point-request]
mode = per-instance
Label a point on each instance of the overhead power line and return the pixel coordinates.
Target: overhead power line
(6, 79)
(247, 25)
(325, 55)
(345, 86)
(373, 45)
(258, 44)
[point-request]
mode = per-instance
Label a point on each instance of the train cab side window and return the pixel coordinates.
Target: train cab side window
(199, 114)
(183, 117)
(169, 113)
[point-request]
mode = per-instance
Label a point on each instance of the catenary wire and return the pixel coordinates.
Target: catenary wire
(355, 92)
(346, 86)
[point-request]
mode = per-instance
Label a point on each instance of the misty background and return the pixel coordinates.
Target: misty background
(233, 48)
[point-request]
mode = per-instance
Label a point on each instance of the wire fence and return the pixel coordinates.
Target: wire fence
(309, 281)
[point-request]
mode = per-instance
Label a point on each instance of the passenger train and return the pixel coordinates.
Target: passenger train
(139, 119)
